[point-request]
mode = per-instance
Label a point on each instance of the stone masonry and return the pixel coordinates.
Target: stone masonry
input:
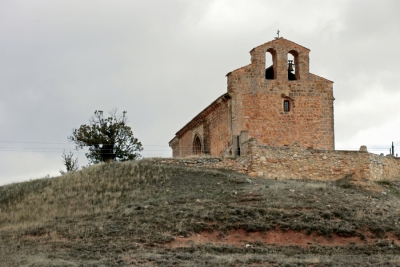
(275, 122)
(295, 162)
(273, 104)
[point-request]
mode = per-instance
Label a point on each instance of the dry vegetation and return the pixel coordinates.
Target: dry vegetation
(138, 214)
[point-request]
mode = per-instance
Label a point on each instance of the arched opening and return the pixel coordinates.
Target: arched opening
(270, 64)
(196, 145)
(293, 64)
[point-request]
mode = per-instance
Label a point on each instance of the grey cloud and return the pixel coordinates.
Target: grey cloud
(164, 61)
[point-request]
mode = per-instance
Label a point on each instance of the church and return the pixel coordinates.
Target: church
(274, 99)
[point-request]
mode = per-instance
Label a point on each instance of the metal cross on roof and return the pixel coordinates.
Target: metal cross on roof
(278, 33)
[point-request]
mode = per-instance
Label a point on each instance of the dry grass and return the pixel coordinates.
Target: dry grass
(95, 190)
(123, 214)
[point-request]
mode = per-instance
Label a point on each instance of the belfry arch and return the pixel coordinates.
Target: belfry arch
(293, 65)
(270, 64)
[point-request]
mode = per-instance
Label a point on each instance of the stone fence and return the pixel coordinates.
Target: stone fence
(300, 163)
(236, 164)
(295, 162)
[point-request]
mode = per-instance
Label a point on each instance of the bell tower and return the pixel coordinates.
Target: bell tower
(279, 50)
(278, 101)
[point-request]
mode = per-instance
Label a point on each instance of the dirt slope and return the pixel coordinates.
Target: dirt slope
(138, 214)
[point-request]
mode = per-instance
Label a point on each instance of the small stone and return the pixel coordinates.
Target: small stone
(253, 174)
(198, 201)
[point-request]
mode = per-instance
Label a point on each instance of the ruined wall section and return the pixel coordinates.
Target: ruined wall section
(391, 169)
(257, 102)
(295, 162)
(384, 167)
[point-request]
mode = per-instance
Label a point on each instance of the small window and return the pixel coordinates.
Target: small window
(286, 105)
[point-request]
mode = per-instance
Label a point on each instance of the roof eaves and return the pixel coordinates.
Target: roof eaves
(202, 114)
(229, 73)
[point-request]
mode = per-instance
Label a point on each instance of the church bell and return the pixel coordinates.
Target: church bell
(290, 67)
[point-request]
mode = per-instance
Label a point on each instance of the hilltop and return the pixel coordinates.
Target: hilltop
(144, 214)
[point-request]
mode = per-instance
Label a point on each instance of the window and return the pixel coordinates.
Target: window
(286, 105)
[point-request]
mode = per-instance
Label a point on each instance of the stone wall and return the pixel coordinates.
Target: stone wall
(220, 129)
(237, 164)
(384, 167)
(295, 162)
(257, 102)
(186, 140)
(213, 129)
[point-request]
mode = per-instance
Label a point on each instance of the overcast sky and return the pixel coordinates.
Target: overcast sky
(165, 61)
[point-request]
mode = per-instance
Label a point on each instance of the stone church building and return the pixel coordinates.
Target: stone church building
(277, 105)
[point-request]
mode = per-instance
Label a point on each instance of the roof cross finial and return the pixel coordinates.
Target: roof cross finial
(277, 33)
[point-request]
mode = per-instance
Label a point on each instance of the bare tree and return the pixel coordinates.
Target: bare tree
(69, 162)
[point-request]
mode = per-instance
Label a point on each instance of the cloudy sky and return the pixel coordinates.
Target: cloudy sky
(164, 61)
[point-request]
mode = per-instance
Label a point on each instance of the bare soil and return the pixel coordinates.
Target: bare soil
(242, 238)
(139, 214)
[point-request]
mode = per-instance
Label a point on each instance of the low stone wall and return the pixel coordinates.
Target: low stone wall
(300, 163)
(236, 164)
(384, 167)
(295, 162)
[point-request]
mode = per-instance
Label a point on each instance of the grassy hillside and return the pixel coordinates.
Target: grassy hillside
(139, 214)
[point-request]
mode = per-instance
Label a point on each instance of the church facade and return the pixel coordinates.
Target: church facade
(278, 104)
